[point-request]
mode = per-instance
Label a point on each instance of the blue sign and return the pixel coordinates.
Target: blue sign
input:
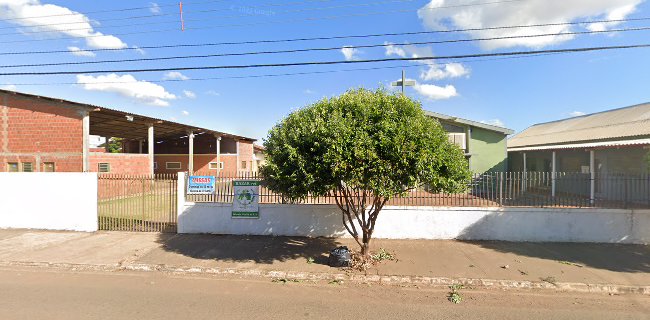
(201, 185)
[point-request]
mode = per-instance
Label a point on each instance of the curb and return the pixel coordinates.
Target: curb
(315, 276)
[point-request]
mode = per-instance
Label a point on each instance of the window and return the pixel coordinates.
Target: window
(155, 165)
(48, 167)
(28, 167)
(12, 167)
(173, 165)
(243, 164)
(213, 165)
(104, 167)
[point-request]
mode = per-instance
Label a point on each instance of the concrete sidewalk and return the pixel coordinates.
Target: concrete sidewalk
(598, 264)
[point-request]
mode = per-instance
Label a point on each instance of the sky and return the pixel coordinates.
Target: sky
(512, 92)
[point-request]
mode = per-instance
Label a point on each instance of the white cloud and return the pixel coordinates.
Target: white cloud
(154, 8)
(127, 86)
(55, 20)
(189, 94)
(434, 71)
(576, 113)
(10, 87)
(449, 70)
(494, 122)
(434, 92)
(81, 53)
(139, 50)
(175, 75)
(523, 13)
(350, 53)
(185, 113)
(309, 91)
(212, 93)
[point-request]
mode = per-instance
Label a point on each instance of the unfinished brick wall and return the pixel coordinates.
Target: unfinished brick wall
(39, 131)
(201, 162)
(121, 163)
(245, 154)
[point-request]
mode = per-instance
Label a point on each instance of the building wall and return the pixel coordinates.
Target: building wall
(201, 162)
(121, 163)
(37, 131)
(488, 150)
(64, 201)
(247, 155)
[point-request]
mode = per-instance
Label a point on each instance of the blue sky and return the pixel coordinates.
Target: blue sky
(512, 92)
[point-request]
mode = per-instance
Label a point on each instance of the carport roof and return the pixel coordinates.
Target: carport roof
(629, 123)
(109, 122)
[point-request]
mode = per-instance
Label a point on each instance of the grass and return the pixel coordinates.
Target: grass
(151, 212)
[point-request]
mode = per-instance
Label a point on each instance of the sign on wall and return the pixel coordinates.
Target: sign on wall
(246, 202)
(200, 185)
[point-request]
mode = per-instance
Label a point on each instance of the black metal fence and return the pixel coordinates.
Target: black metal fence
(497, 189)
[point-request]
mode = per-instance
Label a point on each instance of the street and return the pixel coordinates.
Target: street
(33, 293)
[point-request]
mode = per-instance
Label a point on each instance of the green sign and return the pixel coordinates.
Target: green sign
(246, 201)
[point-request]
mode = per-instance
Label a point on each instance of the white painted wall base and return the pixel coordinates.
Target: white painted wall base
(48, 201)
(507, 224)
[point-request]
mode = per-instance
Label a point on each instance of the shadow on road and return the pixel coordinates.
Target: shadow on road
(613, 257)
(260, 249)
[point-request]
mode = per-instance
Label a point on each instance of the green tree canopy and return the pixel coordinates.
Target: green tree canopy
(364, 148)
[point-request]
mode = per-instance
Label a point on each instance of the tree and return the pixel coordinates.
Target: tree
(362, 148)
(114, 145)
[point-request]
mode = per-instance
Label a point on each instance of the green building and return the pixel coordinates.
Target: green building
(485, 145)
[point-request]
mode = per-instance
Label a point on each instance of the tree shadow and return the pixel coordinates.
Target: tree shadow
(613, 257)
(260, 249)
(531, 235)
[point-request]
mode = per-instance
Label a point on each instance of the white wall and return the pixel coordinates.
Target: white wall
(50, 201)
(508, 224)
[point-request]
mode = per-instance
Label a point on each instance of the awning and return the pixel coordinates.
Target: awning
(636, 142)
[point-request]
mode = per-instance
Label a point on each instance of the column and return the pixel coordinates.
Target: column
(85, 166)
(190, 161)
(553, 175)
(525, 174)
(218, 137)
(592, 176)
(140, 142)
(106, 147)
(151, 143)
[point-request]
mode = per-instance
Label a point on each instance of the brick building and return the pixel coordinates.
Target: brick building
(41, 134)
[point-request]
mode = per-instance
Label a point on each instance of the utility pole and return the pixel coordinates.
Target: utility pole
(403, 83)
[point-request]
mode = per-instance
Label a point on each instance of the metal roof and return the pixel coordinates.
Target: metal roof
(619, 124)
(441, 116)
(108, 122)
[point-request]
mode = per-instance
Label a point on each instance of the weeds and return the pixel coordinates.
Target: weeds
(454, 295)
(383, 255)
(310, 260)
(336, 281)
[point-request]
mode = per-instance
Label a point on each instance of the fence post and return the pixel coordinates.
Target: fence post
(180, 201)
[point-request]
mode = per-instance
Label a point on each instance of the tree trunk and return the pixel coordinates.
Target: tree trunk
(365, 248)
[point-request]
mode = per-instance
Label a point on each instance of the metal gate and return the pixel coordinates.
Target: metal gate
(141, 203)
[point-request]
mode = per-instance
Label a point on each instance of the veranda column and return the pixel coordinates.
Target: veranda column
(553, 175)
(190, 162)
(151, 143)
(85, 166)
(592, 176)
(525, 174)
(218, 137)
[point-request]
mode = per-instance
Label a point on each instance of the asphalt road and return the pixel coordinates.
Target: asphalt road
(29, 293)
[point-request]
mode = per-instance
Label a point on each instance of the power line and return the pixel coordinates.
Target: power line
(280, 74)
(176, 14)
(338, 37)
(322, 49)
(367, 14)
(105, 11)
(333, 62)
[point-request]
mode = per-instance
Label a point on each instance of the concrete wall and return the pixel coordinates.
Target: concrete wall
(508, 224)
(50, 201)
